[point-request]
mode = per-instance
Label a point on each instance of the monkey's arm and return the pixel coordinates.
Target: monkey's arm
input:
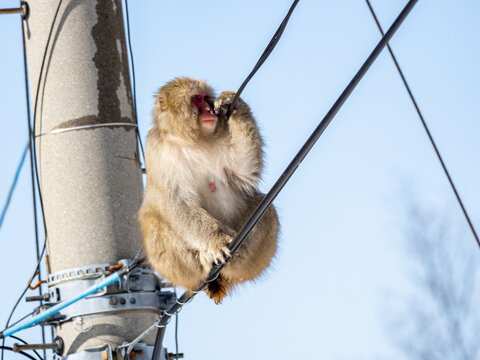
(197, 227)
(245, 139)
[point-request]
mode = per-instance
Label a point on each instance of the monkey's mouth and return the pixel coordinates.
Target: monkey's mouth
(208, 119)
(209, 123)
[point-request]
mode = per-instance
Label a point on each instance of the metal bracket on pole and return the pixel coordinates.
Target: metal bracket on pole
(96, 353)
(22, 10)
(141, 351)
(139, 289)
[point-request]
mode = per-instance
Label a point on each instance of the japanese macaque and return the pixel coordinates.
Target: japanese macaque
(202, 185)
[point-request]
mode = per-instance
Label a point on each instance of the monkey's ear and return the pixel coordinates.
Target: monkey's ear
(162, 101)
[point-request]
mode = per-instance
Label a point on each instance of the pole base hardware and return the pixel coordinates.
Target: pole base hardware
(23, 10)
(57, 346)
(140, 290)
(106, 352)
(173, 356)
(44, 297)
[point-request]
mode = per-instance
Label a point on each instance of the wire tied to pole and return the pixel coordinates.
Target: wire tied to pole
(129, 346)
(40, 282)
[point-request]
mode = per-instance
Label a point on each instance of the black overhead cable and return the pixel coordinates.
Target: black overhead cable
(266, 53)
(282, 180)
(426, 128)
(134, 86)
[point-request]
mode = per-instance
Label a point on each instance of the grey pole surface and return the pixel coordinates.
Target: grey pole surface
(90, 177)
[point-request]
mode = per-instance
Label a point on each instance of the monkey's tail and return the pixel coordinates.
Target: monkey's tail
(218, 289)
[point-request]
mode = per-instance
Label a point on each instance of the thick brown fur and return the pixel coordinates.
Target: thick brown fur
(186, 223)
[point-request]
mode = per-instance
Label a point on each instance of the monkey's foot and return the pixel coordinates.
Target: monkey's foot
(216, 257)
(217, 290)
(217, 251)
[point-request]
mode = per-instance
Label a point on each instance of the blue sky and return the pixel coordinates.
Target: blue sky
(342, 214)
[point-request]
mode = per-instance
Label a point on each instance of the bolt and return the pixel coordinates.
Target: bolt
(133, 300)
(122, 301)
(113, 300)
(175, 356)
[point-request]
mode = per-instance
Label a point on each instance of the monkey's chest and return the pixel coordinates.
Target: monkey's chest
(219, 199)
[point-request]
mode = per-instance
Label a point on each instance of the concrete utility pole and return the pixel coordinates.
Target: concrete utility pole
(90, 176)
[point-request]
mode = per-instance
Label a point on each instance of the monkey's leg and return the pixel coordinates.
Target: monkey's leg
(256, 252)
(168, 254)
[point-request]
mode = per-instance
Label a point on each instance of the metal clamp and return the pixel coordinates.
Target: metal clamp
(91, 271)
(142, 352)
(140, 289)
(96, 353)
(146, 301)
(83, 127)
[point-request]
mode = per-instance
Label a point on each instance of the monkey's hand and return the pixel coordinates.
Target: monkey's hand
(245, 142)
(217, 251)
(222, 103)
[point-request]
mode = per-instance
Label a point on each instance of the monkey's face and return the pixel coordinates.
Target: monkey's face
(184, 108)
(206, 118)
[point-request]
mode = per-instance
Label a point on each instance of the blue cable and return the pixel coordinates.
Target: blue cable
(14, 184)
(34, 319)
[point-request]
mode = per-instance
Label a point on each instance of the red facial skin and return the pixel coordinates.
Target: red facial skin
(202, 102)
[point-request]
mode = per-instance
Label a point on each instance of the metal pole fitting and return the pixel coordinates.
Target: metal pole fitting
(22, 10)
(57, 346)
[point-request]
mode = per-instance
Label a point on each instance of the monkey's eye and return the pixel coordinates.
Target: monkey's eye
(197, 99)
(208, 101)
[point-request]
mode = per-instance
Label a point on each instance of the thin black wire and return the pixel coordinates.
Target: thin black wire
(417, 108)
(34, 175)
(266, 53)
(187, 296)
(176, 336)
(134, 86)
(21, 297)
(20, 352)
(40, 75)
(34, 152)
(34, 170)
(24, 342)
(37, 94)
(21, 319)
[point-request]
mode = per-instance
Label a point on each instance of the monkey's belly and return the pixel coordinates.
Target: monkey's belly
(223, 204)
